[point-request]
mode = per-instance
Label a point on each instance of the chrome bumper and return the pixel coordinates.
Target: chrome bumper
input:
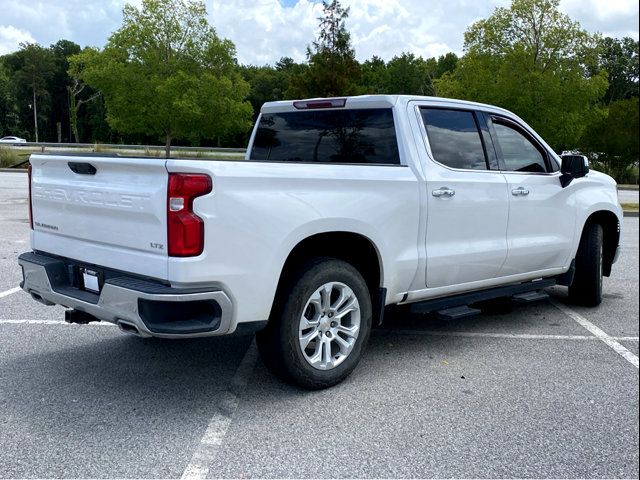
(121, 298)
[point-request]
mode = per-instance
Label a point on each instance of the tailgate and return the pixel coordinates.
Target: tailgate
(103, 210)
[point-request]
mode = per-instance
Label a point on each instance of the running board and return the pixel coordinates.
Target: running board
(458, 313)
(530, 297)
(466, 299)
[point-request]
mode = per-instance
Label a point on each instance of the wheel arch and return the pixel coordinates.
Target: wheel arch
(354, 248)
(610, 224)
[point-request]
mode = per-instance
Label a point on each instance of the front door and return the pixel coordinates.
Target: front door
(541, 212)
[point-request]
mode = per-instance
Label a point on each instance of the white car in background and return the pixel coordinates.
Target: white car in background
(12, 140)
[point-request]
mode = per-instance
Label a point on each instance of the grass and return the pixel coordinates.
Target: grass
(148, 152)
(9, 157)
(12, 156)
(207, 155)
(158, 152)
(629, 207)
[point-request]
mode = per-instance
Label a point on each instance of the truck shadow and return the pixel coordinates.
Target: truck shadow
(181, 375)
(121, 374)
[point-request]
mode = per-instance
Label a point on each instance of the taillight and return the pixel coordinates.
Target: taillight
(30, 207)
(185, 230)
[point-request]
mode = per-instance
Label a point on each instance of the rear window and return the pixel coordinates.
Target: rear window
(328, 136)
(454, 138)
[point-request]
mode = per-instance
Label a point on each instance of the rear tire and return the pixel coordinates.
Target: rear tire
(586, 288)
(325, 307)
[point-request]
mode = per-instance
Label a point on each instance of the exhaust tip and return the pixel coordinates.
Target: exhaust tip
(127, 327)
(38, 298)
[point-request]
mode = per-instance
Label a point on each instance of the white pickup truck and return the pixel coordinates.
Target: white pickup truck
(341, 207)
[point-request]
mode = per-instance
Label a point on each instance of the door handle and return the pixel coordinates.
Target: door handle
(520, 192)
(443, 192)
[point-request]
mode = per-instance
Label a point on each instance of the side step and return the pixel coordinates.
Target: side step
(522, 292)
(457, 313)
(530, 297)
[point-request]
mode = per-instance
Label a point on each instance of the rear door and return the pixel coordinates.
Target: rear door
(467, 201)
(107, 211)
(541, 212)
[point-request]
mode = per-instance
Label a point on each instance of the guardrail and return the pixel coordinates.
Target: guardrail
(43, 146)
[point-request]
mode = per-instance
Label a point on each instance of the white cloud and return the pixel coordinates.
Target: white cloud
(11, 38)
(266, 30)
(86, 22)
(613, 18)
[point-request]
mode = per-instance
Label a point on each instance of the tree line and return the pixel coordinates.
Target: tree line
(166, 75)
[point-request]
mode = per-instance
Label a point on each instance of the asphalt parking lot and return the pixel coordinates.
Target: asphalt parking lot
(628, 196)
(548, 390)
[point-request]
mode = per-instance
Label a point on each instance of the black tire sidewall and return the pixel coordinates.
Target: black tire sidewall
(586, 288)
(313, 276)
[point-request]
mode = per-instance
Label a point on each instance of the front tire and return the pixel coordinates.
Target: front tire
(586, 288)
(319, 326)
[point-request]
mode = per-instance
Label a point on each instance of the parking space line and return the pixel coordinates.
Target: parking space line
(518, 336)
(597, 332)
(214, 435)
(20, 321)
(11, 291)
(430, 333)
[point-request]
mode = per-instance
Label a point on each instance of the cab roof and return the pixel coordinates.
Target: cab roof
(371, 101)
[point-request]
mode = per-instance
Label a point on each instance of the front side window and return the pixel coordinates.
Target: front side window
(518, 152)
(454, 138)
(328, 136)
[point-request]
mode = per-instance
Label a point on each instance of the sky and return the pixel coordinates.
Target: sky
(266, 30)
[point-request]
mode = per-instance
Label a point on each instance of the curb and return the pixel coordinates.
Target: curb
(14, 170)
(630, 214)
(628, 189)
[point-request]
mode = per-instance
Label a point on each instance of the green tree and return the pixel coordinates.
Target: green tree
(57, 86)
(405, 74)
(270, 83)
(47, 68)
(93, 125)
(166, 73)
(32, 67)
(535, 61)
(445, 64)
(612, 141)
(333, 69)
(374, 76)
(79, 92)
(408, 74)
(290, 71)
(619, 57)
(8, 104)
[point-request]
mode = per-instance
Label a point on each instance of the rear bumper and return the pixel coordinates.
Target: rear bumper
(140, 306)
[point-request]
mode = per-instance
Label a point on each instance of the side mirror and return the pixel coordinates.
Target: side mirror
(573, 166)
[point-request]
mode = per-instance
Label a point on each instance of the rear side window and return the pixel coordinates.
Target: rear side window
(518, 152)
(454, 138)
(328, 136)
